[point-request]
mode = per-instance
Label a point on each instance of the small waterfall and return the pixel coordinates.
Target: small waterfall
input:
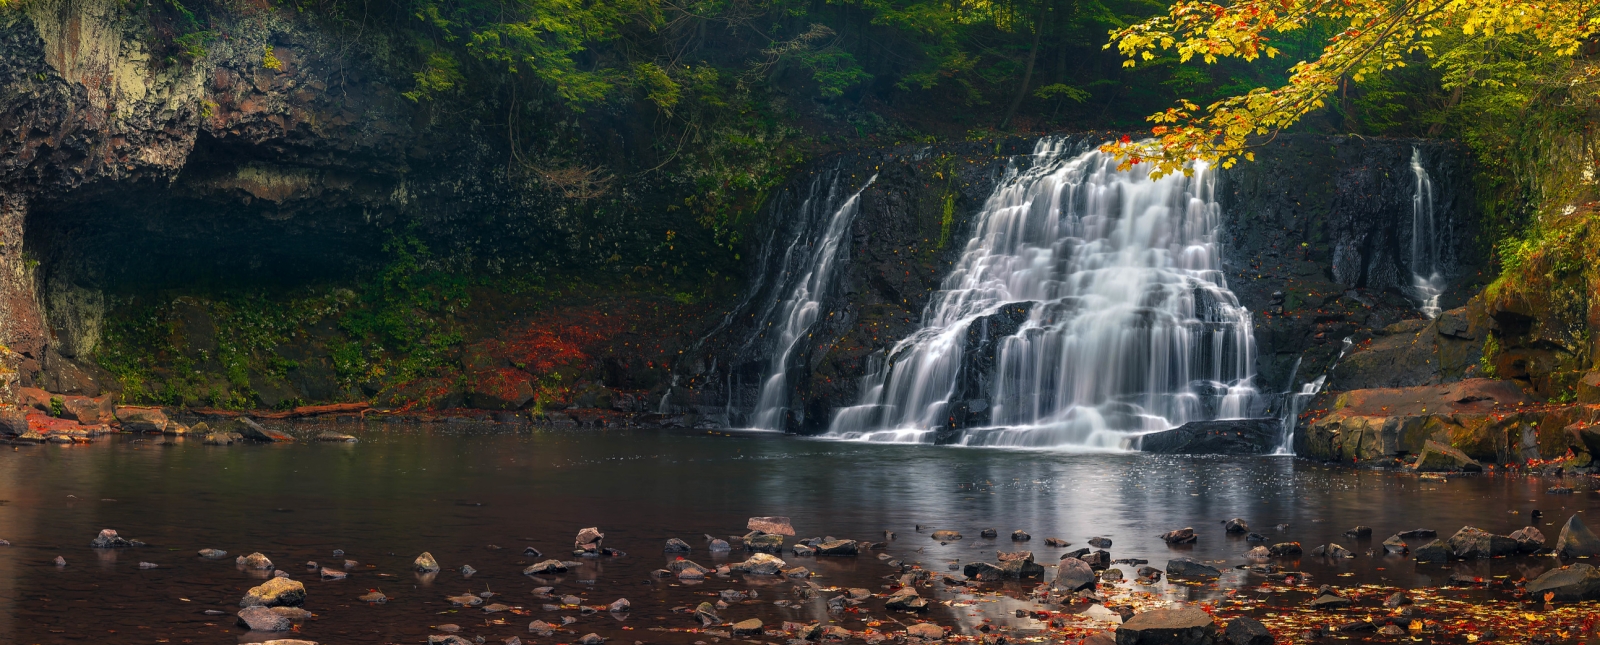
(1088, 306)
(811, 261)
(1426, 282)
(1297, 401)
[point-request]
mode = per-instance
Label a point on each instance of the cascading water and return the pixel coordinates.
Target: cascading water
(1427, 284)
(811, 259)
(1100, 297)
(1295, 402)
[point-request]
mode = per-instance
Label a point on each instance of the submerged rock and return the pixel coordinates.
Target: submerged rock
(1236, 525)
(262, 619)
(548, 566)
(339, 437)
(1184, 535)
(1245, 630)
(946, 536)
(925, 631)
(1437, 457)
(1191, 568)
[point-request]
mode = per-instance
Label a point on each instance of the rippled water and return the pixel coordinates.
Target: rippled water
(453, 491)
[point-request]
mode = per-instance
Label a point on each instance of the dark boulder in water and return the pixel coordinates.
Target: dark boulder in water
(1223, 437)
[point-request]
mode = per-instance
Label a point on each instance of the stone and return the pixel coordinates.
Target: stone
(989, 533)
(760, 564)
(1072, 574)
(275, 592)
(374, 597)
(447, 639)
(1236, 525)
(1359, 532)
(1258, 553)
(763, 542)
(749, 627)
(1100, 542)
(906, 599)
(222, 438)
(425, 563)
(1188, 626)
(541, 628)
(89, 411)
(925, 631)
(1433, 551)
(946, 536)
(1020, 567)
(1020, 536)
(464, 600)
(1098, 560)
(1529, 539)
(108, 539)
(213, 554)
(1396, 600)
(248, 429)
(336, 437)
(141, 419)
(1437, 457)
(1191, 568)
(1572, 583)
(1330, 601)
(620, 605)
(254, 561)
(1245, 630)
(1470, 542)
(1184, 535)
(1221, 437)
(718, 546)
(1395, 544)
(982, 571)
(333, 574)
(676, 545)
(776, 525)
(837, 547)
(262, 619)
(1576, 540)
(588, 539)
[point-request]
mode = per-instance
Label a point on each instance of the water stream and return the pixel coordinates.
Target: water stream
(1088, 307)
(1427, 283)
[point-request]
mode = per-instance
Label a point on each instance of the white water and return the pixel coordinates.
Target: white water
(1426, 282)
(1132, 328)
(798, 311)
(1296, 401)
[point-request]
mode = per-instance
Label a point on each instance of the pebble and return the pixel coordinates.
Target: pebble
(148, 565)
(60, 561)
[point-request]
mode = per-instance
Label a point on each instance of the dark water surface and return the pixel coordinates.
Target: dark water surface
(454, 491)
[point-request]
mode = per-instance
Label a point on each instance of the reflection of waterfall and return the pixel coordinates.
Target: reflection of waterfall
(1089, 304)
(1426, 282)
(1296, 401)
(810, 261)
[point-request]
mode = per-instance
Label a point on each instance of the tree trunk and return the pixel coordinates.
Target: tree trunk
(1027, 73)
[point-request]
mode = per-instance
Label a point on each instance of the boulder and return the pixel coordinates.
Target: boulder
(1190, 568)
(1100, 542)
(1020, 536)
(763, 542)
(254, 561)
(982, 571)
(946, 536)
(906, 599)
(588, 539)
(1236, 525)
(425, 563)
(140, 418)
(1571, 583)
(837, 547)
(1470, 542)
(776, 525)
(1359, 532)
(275, 592)
(1072, 574)
(1529, 539)
(249, 430)
(1097, 560)
(1433, 551)
(989, 533)
(539, 568)
(925, 631)
(1021, 567)
(1245, 630)
(760, 564)
(89, 411)
(1395, 544)
(676, 545)
(1187, 626)
(749, 627)
(1437, 458)
(1221, 437)
(262, 619)
(1576, 540)
(1184, 535)
(108, 539)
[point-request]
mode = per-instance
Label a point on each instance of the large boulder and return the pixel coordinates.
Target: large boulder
(1568, 584)
(275, 592)
(1437, 458)
(1529, 539)
(1187, 626)
(1470, 542)
(1576, 540)
(1222, 437)
(89, 411)
(141, 418)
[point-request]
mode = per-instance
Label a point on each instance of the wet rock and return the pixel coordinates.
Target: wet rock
(1330, 551)
(759, 542)
(1187, 626)
(925, 631)
(333, 574)
(262, 619)
(1433, 551)
(1571, 583)
(548, 566)
(1020, 566)
(464, 600)
(1072, 574)
(275, 592)
(946, 536)
(1396, 600)
(1437, 457)
(530, 551)
(425, 563)
(213, 554)
(1221, 437)
(988, 533)
(718, 546)
(1470, 542)
(1359, 532)
(1259, 553)
(447, 639)
(676, 545)
(620, 605)
(797, 572)
(1098, 560)
(222, 438)
(336, 437)
(108, 539)
(541, 628)
(1576, 540)
(774, 524)
(148, 565)
(1236, 525)
(374, 597)
(749, 627)
(141, 419)
(707, 614)
(837, 547)
(588, 540)
(802, 549)
(1020, 536)
(1191, 568)
(1418, 533)
(1391, 630)
(1148, 574)
(467, 570)
(759, 564)
(906, 599)
(1245, 630)
(254, 561)
(1529, 539)
(1056, 542)
(251, 431)
(1184, 535)
(1330, 601)
(60, 561)
(982, 571)
(1396, 545)
(1100, 542)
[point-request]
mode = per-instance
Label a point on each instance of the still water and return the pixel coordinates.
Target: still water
(454, 491)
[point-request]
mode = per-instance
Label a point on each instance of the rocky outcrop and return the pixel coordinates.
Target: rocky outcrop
(1223, 437)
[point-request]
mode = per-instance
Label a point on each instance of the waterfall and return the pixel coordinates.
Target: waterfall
(1295, 402)
(1089, 306)
(1426, 282)
(810, 261)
